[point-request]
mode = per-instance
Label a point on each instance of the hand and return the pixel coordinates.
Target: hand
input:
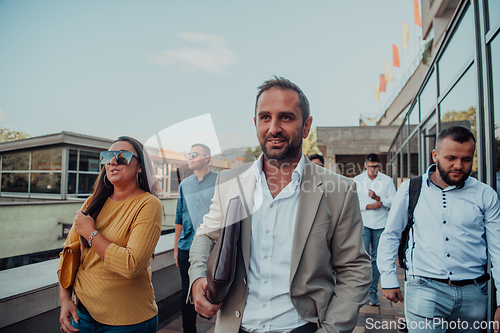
(84, 224)
(176, 253)
(201, 303)
(375, 205)
(68, 310)
(496, 318)
(373, 195)
(394, 295)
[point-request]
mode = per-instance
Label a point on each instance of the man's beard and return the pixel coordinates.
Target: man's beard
(445, 176)
(287, 154)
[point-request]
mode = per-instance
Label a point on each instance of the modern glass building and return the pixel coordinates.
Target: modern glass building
(65, 166)
(462, 87)
(457, 90)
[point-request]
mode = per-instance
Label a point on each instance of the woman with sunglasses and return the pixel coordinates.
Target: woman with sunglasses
(118, 227)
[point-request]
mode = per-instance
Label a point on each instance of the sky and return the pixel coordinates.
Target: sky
(111, 68)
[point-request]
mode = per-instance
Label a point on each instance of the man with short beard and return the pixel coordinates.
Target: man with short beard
(301, 264)
(456, 224)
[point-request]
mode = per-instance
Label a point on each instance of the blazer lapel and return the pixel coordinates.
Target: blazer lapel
(310, 196)
(246, 182)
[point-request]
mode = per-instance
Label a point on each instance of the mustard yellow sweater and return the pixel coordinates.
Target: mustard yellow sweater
(118, 290)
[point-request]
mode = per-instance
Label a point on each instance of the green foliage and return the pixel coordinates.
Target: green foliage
(8, 135)
(309, 144)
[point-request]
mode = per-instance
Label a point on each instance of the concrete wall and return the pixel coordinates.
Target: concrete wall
(30, 227)
(29, 295)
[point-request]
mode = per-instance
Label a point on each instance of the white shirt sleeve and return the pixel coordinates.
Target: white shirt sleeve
(389, 194)
(492, 229)
(389, 240)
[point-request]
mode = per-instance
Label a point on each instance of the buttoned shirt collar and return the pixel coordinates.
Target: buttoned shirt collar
(428, 181)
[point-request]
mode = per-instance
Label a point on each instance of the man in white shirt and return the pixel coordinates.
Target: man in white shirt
(301, 264)
(456, 224)
(375, 192)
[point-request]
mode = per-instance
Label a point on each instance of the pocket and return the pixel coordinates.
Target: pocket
(483, 287)
(417, 281)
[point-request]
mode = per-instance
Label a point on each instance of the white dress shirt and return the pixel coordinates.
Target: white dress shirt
(383, 186)
(454, 227)
(268, 305)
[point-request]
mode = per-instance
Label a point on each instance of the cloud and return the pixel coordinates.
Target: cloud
(214, 58)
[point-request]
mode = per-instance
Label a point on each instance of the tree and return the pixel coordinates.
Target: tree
(309, 145)
(8, 135)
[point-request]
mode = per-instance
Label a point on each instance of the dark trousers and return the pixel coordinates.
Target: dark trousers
(187, 309)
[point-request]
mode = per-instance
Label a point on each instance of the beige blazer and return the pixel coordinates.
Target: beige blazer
(330, 272)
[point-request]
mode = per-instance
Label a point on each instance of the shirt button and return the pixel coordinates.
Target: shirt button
(238, 314)
(451, 273)
(265, 257)
(265, 281)
(267, 231)
(263, 326)
(444, 222)
(447, 239)
(448, 255)
(263, 305)
(271, 206)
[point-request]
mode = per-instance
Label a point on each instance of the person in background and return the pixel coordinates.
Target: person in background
(375, 192)
(118, 226)
(195, 198)
(317, 159)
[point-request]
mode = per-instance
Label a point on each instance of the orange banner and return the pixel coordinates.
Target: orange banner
(377, 93)
(383, 83)
(395, 56)
(418, 21)
(406, 35)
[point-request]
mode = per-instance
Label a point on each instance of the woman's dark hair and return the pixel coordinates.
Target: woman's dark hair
(103, 189)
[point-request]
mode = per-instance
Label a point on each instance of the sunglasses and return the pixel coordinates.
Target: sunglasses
(192, 155)
(123, 157)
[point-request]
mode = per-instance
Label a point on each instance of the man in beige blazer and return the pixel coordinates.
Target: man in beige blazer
(301, 262)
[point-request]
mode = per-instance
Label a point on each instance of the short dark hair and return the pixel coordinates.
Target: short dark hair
(285, 84)
(372, 158)
(205, 148)
(457, 133)
(317, 157)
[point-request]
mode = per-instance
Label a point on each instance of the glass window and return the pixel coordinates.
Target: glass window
(17, 161)
(495, 73)
(45, 183)
(47, 159)
(85, 183)
(159, 168)
(493, 12)
(428, 96)
(415, 114)
(457, 53)
(15, 182)
(459, 106)
(89, 161)
(71, 183)
(404, 163)
(414, 156)
(73, 159)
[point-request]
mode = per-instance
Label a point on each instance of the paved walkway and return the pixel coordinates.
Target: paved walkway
(372, 319)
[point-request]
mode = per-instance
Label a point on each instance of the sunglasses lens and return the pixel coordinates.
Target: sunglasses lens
(122, 157)
(192, 155)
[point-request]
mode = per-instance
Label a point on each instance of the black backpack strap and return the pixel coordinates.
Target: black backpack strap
(414, 193)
